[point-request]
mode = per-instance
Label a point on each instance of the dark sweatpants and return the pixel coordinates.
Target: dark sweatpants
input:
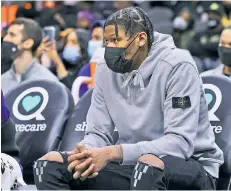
(178, 174)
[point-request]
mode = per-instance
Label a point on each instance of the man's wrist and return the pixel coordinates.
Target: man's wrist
(115, 153)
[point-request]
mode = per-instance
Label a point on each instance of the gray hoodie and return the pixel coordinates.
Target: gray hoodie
(35, 71)
(140, 105)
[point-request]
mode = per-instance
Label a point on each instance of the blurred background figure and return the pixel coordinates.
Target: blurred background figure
(226, 19)
(224, 50)
(74, 54)
(123, 4)
(84, 19)
(96, 40)
(161, 16)
(22, 40)
(204, 44)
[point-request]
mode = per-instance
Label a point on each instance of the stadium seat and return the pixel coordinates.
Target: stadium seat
(85, 78)
(84, 81)
(76, 126)
(40, 110)
(217, 94)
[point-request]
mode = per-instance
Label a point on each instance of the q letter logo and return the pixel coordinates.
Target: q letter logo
(29, 100)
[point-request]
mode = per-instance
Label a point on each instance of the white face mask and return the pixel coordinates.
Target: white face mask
(93, 45)
(180, 23)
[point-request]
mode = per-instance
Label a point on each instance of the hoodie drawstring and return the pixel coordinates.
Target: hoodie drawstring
(134, 79)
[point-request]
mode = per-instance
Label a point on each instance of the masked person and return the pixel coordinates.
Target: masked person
(204, 44)
(224, 50)
(183, 29)
(23, 38)
(96, 37)
(152, 93)
(73, 56)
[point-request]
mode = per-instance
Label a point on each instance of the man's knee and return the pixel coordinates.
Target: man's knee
(149, 174)
(152, 160)
(53, 156)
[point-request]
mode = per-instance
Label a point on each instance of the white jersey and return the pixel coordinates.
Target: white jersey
(11, 173)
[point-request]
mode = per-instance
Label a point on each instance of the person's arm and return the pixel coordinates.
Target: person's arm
(180, 123)
(100, 126)
(60, 68)
(54, 56)
(68, 81)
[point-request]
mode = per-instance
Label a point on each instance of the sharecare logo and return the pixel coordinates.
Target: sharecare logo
(83, 126)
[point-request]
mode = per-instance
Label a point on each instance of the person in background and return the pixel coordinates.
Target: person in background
(11, 174)
(65, 14)
(73, 56)
(48, 14)
(224, 50)
(26, 34)
(94, 44)
(204, 44)
(161, 16)
(226, 19)
(91, 7)
(28, 10)
(96, 37)
(183, 28)
(84, 19)
(123, 4)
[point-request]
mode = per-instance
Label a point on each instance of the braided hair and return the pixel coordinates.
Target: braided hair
(132, 20)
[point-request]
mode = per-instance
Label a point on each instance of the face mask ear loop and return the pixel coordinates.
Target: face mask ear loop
(129, 45)
(132, 41)
(132, 56)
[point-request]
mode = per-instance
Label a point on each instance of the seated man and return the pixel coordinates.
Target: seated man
(224, 51)
(23, 37)
(152, 93)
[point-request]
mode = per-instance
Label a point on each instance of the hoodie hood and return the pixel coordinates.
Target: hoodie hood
(163, 44)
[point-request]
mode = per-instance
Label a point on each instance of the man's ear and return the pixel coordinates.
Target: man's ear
(143, 38)
(28, 44)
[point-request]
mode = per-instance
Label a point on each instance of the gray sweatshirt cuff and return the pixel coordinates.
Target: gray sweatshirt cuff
(86, 144)
(131, 154)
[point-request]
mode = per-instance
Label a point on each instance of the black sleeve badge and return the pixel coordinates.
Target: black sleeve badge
(181, 102)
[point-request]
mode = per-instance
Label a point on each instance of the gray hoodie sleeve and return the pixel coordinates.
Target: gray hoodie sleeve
(180, 125)
(100, 126)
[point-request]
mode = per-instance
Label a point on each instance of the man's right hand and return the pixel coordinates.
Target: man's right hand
(78, 149)
(73, 161)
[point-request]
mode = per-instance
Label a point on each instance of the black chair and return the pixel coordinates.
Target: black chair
(217, 93)
(76, 126)
(40, 110)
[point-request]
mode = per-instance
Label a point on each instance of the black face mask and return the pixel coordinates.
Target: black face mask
(225, 55)
(115, 59)
(8, 51)
(11, 50)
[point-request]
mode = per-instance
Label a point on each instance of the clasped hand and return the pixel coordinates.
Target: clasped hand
(86, 163)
